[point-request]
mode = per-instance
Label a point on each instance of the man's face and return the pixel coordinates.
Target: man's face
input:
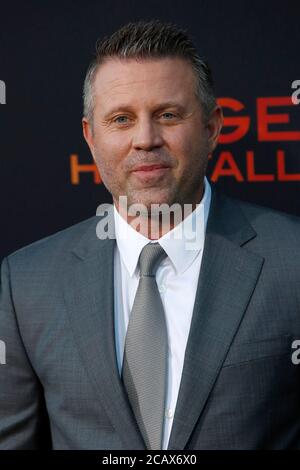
(146, 113)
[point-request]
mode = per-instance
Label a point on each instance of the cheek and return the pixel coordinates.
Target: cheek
(185, 145)
(187, 134)
(111, 150)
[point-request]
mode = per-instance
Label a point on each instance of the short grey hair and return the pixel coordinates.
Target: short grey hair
(146, 40)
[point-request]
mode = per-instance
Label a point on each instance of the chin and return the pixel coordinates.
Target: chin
(149, 198)
(153, 202)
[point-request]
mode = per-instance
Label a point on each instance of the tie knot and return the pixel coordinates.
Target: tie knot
(150, 257)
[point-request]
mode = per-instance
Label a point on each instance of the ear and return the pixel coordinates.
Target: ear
(214, 126)
(88, 133)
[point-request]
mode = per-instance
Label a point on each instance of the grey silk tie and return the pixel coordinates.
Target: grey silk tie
(144, 370)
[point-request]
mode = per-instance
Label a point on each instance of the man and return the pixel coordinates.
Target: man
(178, 335)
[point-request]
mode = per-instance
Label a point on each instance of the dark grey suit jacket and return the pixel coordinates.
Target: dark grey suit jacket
(60, 385)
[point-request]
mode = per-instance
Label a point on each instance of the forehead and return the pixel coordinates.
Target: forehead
(144, 80)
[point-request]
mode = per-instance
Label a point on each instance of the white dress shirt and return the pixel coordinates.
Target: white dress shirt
(177, 278)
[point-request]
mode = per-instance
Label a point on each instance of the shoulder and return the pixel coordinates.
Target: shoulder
(276, 234)
(234, 212)
(267, 220)
(52, 247)
(260, 229)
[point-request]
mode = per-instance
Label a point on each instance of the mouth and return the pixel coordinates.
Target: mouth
(149, 173)
(150, 167)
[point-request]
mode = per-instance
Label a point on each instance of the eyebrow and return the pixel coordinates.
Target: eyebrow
(123, 108)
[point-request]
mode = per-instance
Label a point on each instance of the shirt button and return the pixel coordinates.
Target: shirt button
(162, 288)
(169, 413)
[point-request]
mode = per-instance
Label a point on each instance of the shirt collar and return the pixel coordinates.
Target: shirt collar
(182, 244)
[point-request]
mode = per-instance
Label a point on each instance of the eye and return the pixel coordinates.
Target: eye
(121, 120)
(168, 115)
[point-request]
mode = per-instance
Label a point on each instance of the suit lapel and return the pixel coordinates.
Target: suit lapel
(89, 297)
(226, 282)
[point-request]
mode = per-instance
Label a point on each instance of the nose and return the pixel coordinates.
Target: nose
(147, 135)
